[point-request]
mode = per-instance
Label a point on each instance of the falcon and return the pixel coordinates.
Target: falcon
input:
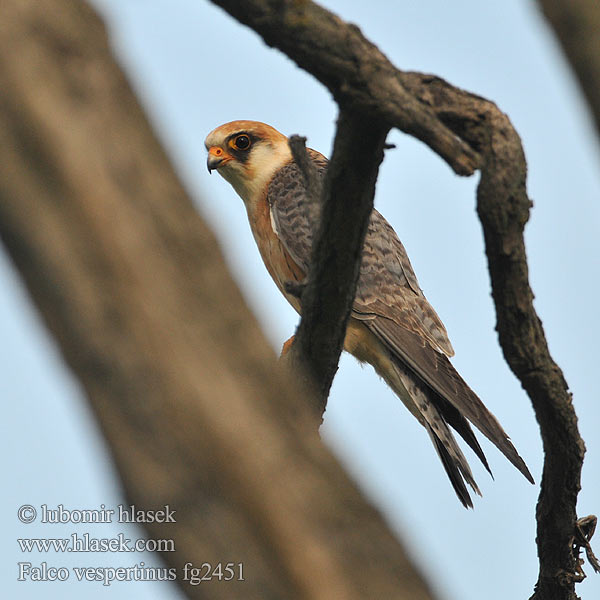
(392, 326)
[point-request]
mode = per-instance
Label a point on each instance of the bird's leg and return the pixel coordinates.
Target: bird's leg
(286, 347)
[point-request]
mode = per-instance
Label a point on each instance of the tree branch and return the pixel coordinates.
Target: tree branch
(503, 208)
(577, 26)
(357, 73)
(468, 132)
(347, 203)
(313, 184)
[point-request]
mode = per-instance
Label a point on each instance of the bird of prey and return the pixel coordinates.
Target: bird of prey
(392, 326)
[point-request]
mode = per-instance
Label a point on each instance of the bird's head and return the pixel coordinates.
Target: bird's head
(247, 154)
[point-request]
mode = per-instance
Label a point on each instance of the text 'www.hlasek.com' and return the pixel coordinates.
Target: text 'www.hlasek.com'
(58, 553)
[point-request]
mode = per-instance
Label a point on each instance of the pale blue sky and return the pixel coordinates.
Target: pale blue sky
(195, 68)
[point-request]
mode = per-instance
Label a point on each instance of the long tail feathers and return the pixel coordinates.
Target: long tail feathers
(445, 388)
(455, 470)
(436, 413)
(418, 398)
(462, 427)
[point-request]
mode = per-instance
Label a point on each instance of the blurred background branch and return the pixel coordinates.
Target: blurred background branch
(130, 282)
(576, 24)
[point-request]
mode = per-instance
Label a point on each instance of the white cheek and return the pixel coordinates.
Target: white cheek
(265, 161)
(250, 180)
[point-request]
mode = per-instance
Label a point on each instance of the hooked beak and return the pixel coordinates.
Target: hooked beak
(216, 158)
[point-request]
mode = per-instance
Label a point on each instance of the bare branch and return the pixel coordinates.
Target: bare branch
(577, 26)
(347, 202)
(468, 132)
(357, 73)
(503, 208)
(308, 169)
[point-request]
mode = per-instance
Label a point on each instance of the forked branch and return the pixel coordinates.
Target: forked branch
(468, 132)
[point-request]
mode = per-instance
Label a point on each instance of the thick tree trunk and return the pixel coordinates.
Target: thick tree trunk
(132, 285)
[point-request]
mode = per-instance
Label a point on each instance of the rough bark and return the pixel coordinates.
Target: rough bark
(577, 26)
(348, 193)
(468, 132)
(131, 284)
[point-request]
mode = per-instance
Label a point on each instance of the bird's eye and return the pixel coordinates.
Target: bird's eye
(241, 142)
